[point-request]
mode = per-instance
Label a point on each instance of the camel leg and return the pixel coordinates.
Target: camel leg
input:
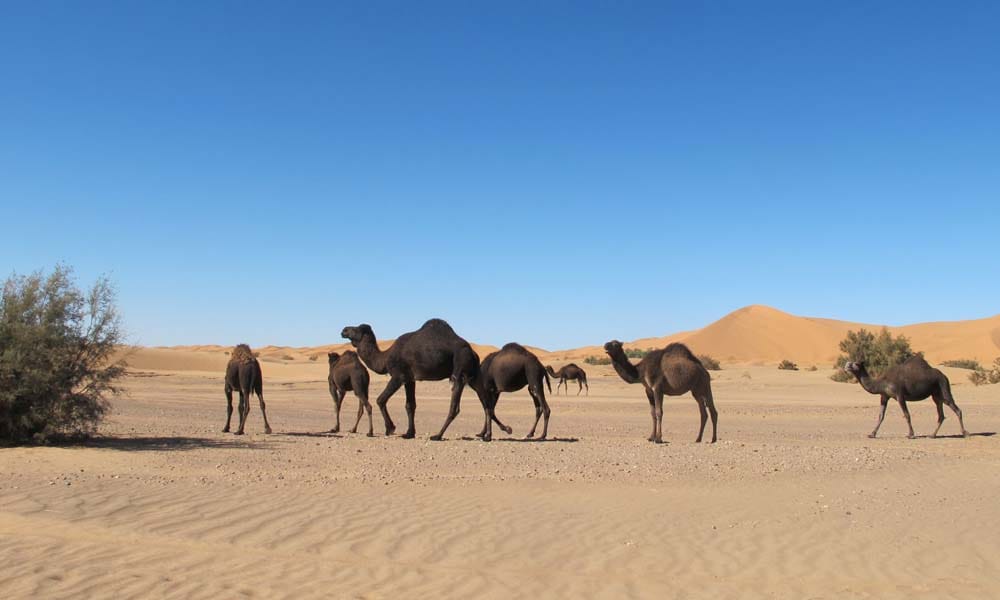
(704, 417)
(939, 405)
(458, 384)
(244, 411)
(652, 413)
(495, 419)
(710, 401)
(361, 412)
(263, 409)
(545, 414)
(383, 400)
(229, 408)
(906, 413)
(411, 409)
(950, 401)
(363, 396)
(881, 415)
(338, 400)
(579, 385)
(658, 413)
(562, 382)
(586, 385)
(538, 413)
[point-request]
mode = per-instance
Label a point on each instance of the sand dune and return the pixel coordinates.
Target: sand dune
(751, 335)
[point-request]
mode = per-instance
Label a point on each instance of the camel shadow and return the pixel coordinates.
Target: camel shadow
(315, 434)
(164, 444)
(958, 436)
(524, 440)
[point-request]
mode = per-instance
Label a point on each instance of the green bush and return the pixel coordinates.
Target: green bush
(963, 363)
(56, 349)
(709, 363)
(787, 365)
(597, 360)
(879, 352)
(637, 352)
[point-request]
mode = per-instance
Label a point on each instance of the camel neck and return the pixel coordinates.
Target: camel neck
(625, 369)
(870, 384)
(369, 351)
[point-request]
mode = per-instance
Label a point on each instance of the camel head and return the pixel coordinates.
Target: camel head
(855, 368)
(333, 357)
(613, 347)
(356, 334)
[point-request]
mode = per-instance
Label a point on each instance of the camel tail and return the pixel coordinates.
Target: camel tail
(547, 382)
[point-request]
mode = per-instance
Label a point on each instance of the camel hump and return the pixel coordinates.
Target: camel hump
(514, 346)
(242, 354)
(678, 349)
(917, 360)
(439, 325)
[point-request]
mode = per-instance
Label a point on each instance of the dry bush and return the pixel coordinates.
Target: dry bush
(709, 363)
(787, 365)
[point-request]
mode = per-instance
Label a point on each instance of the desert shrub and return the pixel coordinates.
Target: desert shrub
(637, 352)
(878, 352)
(597, 360)
(994, 374)
(56, 348)
(314, 357)
(963, 363)
(287, 357)
(787, 365)
(709, 363)
(981, 376)
(812, 368)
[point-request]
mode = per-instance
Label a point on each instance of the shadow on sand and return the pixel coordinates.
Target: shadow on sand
(525, 440)
(958, 436)
(168, 443)
(315, 434)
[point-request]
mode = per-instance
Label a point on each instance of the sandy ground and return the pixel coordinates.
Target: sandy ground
(793, 502)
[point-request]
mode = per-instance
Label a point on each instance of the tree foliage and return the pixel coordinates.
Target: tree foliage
(879, 352)
(57, 345)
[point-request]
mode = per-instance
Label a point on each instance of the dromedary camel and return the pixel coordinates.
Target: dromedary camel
(910, 381)
(508, 370)
(348, 374)
(431, 353)
(243, 374)
(569, 372)
(673, 371)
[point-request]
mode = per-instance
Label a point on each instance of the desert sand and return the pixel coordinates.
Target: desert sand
(792, 502)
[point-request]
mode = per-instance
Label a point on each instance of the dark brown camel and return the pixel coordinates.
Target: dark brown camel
(509, 370)
(243, 374)
(431, 353)
(569, 372)
(911, 381)
(348, 374)
(673, 371)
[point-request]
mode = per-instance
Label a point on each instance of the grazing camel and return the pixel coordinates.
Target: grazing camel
(509, 370)
(348, 374)
(243, 374)
(570, 372)
(431, 353)
(673, 371)
(910, 381)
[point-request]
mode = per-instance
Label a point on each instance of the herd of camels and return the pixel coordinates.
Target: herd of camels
(435, 352)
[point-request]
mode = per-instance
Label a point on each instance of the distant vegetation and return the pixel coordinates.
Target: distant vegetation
(787, 365)
(709, 363)
(57, 344)
(963, 363)
(637, 353)
(597, 360)
(981, 376)
(813, 368)
(879, 352)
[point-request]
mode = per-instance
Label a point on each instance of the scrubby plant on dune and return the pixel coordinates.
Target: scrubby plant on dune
(963, 363)
(57, 345)
(709, 363)
(787, 365)
(981, 376)
(879, 352)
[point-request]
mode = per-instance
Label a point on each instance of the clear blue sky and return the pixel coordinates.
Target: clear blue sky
(555, 173)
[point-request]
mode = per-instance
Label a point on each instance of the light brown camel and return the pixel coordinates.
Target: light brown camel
(431, 353)
(673, 371)
(348, 374)
(911, 381)
(243, 374)
(508, 370)
(569, 372)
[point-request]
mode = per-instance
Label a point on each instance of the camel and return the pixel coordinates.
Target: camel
(570, 372)
(348, 374)
(243, 374)
(910, 381)
(431, 353)
(510, 369)
(673, 371)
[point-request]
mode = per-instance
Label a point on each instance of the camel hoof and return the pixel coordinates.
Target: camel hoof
(508, 430)
(480, 434)
(267, 430)
(226, 430)
(370, 434)
(435, 438)
(238, 433)
(871, 436)
(487, 438)
(409, 435)
(911, 437)
(335, 430)
(965, 434)
(541, 438)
